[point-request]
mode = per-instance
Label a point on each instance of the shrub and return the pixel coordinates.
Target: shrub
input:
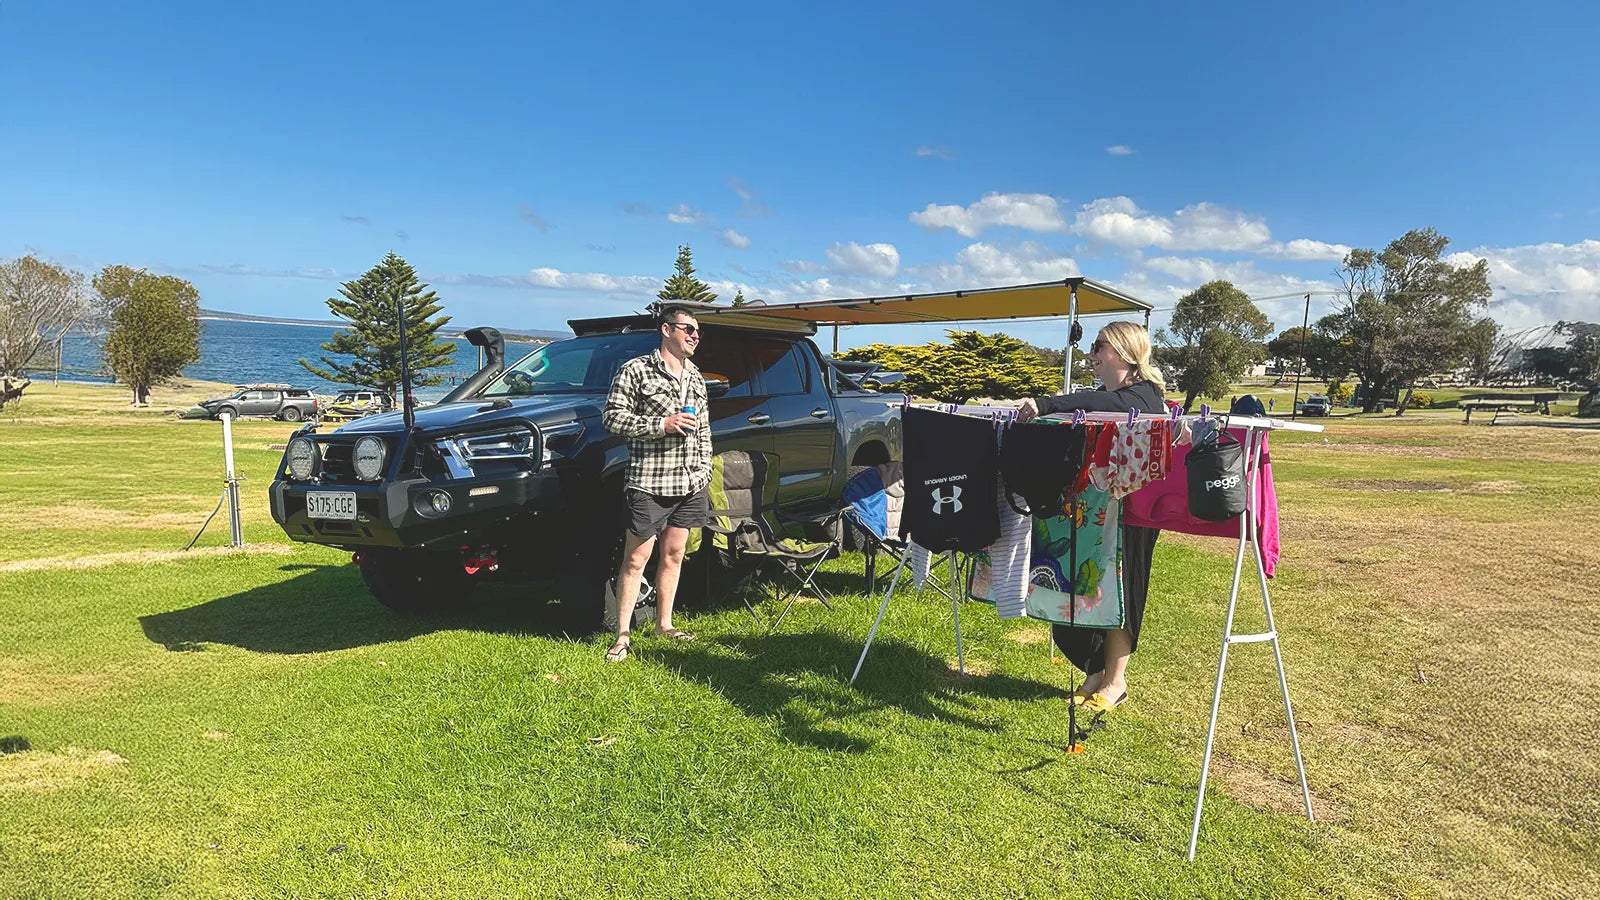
(1421, 399)
(1339, 392)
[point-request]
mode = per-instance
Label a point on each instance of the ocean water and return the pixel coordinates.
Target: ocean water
(242, 352)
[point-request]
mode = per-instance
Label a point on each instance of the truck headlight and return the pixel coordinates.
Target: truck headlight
(302, 458)
(368, 458)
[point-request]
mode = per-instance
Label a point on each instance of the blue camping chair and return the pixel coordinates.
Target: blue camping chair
(867, 510)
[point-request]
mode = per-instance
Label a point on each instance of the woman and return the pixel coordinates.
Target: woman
(1120, 359)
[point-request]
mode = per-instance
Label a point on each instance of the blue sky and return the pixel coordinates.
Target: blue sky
(538, 164)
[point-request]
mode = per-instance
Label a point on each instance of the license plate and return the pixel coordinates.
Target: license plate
(331, 504)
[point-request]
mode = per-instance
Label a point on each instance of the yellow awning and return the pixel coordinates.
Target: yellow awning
(1027, 301)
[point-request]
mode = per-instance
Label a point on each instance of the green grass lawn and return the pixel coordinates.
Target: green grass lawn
(251, 723)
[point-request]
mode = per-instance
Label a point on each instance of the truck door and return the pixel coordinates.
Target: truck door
(739, 418)
(804, 429)
(258, 403)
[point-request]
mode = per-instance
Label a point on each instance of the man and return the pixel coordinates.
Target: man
(658, 402)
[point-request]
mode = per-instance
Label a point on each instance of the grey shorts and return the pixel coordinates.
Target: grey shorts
(649, 514)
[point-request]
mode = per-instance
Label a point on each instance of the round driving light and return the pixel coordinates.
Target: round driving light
(432, 503)
(302, 458)
(368, 458)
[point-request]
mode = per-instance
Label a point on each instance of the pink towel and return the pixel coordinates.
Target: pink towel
(1164, 504)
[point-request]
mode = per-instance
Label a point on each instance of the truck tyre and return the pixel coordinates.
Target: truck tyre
(292, 414)
(231, 412)
(596, 555)
(413, 580)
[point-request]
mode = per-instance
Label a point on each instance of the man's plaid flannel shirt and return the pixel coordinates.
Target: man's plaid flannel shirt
(642, 394)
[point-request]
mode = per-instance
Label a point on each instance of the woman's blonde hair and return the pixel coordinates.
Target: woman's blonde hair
(1132, 343)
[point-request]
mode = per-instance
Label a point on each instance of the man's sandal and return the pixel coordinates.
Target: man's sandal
(618, 651)
(675, 634)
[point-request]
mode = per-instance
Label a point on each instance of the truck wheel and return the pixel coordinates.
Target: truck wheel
(595, 558)
(231, 412)
(415, 580)
(292, 414)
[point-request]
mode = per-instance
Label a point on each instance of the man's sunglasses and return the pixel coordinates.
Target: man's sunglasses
(688, 328)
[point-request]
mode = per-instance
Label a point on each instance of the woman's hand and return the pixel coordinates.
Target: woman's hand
(1027, 411)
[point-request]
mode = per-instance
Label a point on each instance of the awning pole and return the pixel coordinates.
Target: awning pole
(1072, 319)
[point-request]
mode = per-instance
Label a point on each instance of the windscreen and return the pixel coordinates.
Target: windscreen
(579, 365)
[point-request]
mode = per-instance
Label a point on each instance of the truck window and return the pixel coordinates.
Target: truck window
(782, 372)
(723, 356)
(580, 364)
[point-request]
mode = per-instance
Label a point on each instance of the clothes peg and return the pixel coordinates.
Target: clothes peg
(1132, 415)
(1078, 417)
(1205, 411)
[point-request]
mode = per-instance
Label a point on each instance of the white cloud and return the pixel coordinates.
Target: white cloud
(1028, 263)
(684, 214)
(1201, 226)
(591, 281)
(1538, 284)
(881, 260)
(1302, 249)
(1120, 150)
(1118, 220)
(731, 238)
(944, 153)
(1031, 212)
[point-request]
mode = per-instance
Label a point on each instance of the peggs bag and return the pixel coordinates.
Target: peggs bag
(1217, 490)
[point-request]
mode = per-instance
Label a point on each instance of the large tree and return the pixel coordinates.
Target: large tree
(1215, 336)
(1407, 313)
(972, 364)
(39, 303)
(372, 305)
(153, 326)
(683, 285)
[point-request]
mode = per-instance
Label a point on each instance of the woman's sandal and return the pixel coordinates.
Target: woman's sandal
(618, 651)
(675, 634)
(1080, 696)
(1102, 702)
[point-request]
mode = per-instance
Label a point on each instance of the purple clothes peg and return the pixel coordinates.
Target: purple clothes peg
(1205, 411)
(1078, 417)
(1132, 414)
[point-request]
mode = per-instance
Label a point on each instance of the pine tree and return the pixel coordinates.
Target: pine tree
(738, 298)
(683, 285)
(370, 304)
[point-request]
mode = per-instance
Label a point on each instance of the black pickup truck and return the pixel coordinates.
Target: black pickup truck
(514, 472)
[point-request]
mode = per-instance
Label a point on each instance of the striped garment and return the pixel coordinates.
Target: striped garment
(643, 394)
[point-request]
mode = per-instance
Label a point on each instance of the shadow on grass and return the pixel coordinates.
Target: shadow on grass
(328, 608)
(799, 680)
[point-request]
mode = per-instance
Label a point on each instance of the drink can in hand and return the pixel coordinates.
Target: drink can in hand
(689, 410)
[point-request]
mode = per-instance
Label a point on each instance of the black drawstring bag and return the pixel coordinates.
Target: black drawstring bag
(1216, 479)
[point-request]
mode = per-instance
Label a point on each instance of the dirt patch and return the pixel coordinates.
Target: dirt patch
(1414, 487)
(1494, 487)
(1253, 785)
(82, 515)
(37, 772)
(216, 735)
(974, 667)
(99, 560)
(1029, 637)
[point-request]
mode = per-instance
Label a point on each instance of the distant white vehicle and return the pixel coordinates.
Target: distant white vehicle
(1314, 405)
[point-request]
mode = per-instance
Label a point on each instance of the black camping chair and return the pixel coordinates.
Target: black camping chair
(747, 535)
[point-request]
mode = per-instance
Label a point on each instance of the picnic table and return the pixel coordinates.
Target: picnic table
(1504, 404)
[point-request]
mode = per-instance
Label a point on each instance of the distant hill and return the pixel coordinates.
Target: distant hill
(516, 335)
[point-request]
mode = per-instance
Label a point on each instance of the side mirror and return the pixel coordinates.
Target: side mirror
(716, 386)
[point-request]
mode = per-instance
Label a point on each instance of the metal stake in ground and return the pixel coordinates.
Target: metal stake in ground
(236, 538)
